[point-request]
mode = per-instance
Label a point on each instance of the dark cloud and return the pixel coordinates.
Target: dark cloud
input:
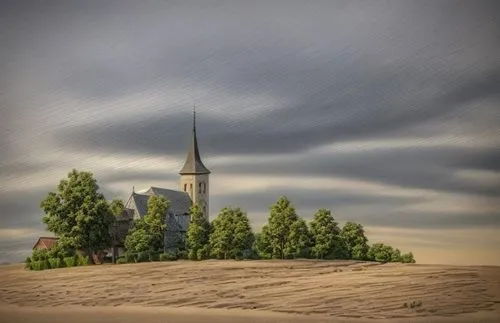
(300, 76)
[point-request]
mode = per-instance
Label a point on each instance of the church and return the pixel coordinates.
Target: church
(193, 189)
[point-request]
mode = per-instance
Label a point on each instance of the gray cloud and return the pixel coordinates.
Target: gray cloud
(300, 76)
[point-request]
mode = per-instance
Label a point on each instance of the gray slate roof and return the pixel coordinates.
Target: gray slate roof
(193, 164)
(178, 213)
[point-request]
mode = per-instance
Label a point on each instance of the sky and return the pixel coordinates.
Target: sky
(385, 112)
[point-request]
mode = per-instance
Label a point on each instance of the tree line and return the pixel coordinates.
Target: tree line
(83, 220)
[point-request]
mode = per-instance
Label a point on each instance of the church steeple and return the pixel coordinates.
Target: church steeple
(193, 164)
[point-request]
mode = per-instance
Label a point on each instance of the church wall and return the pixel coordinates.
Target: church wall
(197, 186)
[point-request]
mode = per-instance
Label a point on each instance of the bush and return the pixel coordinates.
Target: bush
(39, 254)
(27, 263)
(182, 254)
(69, 261)
(39, 265)
(168, 256)
(154, 256)
(82, 260)
(121, 260)
(129, 257)
(56, 263)
(142, 256)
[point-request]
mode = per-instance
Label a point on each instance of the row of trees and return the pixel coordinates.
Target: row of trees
(285, 236)
(83, 220)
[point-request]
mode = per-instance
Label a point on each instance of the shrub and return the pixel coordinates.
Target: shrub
(70, 261)
(129, 257)
(27, 263)
(142, 256)
(168, 256)
(39, 265)
(82, 260)
(121, 260)
(56, 263)
(154, 256)
(182, 254)
(39, 254)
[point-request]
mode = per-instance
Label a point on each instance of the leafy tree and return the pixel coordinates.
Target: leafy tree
(396, 255)
(325, 233)
(78, 214)
(147, 233)
(353, 237)
(198, 234)
(380, 252)
(407, 258)
(299, 240)
(117, 208)
(277, 232)
(231, 234)
(243, 236)
(262, 245)
(155, 220)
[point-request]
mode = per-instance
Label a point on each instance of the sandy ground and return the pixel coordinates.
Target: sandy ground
(251, 291)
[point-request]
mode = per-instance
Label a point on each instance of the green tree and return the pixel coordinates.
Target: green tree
(198, 235)
(325, 234)
(299, 240)
(277, 231)
(355, 241)
(407, 258)
(155, 220)
(231, 234)
(117, 208)
(147, 233)
(396, 255)
(78, 214)
(380, 252)
(262, 245)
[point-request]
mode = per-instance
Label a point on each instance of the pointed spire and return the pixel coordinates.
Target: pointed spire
(193, 164)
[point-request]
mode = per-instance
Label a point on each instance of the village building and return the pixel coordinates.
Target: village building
(45, 243)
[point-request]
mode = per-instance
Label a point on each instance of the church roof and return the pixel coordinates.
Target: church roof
(180, 202)
(193, 164)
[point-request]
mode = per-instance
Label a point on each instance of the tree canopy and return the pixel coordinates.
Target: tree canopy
(198, 234)
(231, 234)
(325, 234)
(78, 214)
(148, 232)
(356, 243)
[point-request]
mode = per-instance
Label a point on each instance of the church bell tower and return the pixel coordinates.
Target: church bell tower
(194, 175)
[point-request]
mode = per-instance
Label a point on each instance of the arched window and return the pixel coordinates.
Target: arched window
(204, 188)
(199, 188)
(185, 187)
(191, 187)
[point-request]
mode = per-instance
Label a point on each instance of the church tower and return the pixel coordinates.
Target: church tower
(194, 175)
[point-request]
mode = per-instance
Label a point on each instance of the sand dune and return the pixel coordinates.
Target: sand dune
(252, 291)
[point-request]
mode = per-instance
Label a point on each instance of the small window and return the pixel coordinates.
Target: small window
(185, 187)
(199, 188)
(204, 188)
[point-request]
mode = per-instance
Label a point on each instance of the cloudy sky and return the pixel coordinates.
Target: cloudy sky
(385, 112)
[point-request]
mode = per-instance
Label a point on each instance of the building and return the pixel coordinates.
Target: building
(45, 243)
(193, 189)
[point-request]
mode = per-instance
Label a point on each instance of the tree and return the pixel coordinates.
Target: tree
(78, 214)
(147, 233)
(198, 234)
(261, 244)
(325, 233)
(407, 258)
(299, 240)
(155, 220)
(231, 234)
(117, 208)
(277, 231)
(353, 237)
(380, 252)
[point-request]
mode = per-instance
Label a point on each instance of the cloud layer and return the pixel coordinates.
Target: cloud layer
(387, 113)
